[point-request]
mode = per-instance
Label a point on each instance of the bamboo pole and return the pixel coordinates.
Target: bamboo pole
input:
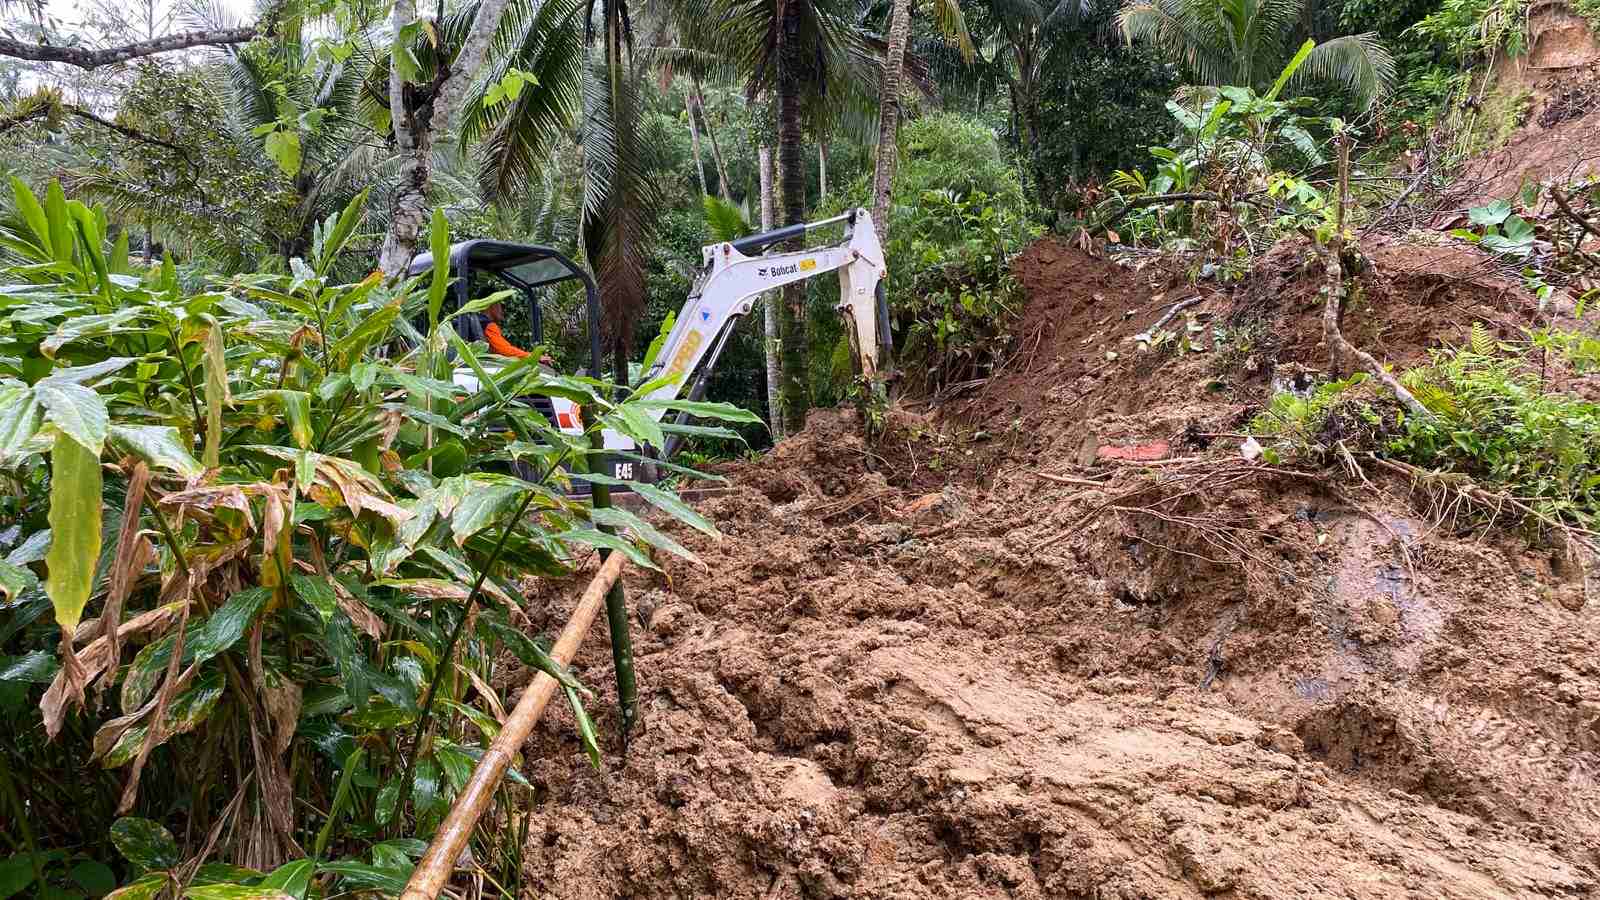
(429, 878)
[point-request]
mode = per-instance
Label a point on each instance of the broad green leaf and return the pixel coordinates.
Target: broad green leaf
(186, 712)
(35, 667)
(32, 213)
(439, 243)
(62, 239)
(86, 374)
(725, 412)
(225, 873)
(346, 225)
(1493, 214)
(234, 891)
(75, 529)
(216, 366)
(358, 876)
(388, 800)
(293, 878)
(622, 520)
(95, 877)
(117, 262)
(485, 501)
(341, 798)
(317, 591)
(297, 412)
(20, 418)
(283, 147)
(14, 580)
(664, 500)
(604, 540)
(456, 765)
(1289, 70)
(80, 327)
(471, 358)
(159, 445)
(1518, 229)
(591, 746)
(77, 410)
(631, 420)
(144, 843)
(89, 239)
(654, 349)
(362, 376)
(226, 626)
(148, 887)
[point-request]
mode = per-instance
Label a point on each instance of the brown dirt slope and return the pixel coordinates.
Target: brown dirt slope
(1553, 89)
(919, 669)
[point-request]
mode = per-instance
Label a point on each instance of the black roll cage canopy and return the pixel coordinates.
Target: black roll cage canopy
(524, 267)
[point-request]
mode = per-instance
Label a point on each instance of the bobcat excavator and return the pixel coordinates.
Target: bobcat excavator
(732, 275)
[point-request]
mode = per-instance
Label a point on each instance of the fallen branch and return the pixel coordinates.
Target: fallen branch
(1063, 479)
(1178, 307)
(1567, 210)
(434, 869)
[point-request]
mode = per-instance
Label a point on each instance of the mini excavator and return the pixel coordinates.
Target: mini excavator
(732, 275)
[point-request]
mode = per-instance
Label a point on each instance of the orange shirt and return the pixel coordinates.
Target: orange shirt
(499, 344)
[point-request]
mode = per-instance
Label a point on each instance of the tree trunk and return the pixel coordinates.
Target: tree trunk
(791, 178)
(716, 146)
(413, 146)
(769, 308)
(889, 116)
(822, 170)
(694, 144)
(415, 130)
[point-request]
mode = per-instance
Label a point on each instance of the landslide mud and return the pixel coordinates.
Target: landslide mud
(920, 669)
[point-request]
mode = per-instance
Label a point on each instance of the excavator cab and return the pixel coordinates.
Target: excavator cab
(482, 267)
(732, 275)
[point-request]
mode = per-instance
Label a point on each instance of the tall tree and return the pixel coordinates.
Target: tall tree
(694, 142)
(953, 24)
(425, 105)
(1248, 42)
(771, 342)
(805, 52)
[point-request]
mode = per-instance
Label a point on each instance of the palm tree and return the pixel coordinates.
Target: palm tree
(947, 14)
(815, 62)
(1247, 43)
(1016, 46)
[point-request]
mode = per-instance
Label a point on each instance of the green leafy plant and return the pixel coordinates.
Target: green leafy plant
(1499, 230)
(1237, 149)
(264, 517)
(1296, 420)
(1493, 421)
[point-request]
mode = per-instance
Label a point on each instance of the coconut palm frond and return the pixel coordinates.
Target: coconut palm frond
(1359, 62)
(1196, 41)
(517, 135)
(952, 23)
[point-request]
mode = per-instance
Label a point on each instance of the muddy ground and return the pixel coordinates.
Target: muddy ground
(920, 668)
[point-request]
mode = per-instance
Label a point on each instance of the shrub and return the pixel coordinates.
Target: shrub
(1493, 420)
(302, 544)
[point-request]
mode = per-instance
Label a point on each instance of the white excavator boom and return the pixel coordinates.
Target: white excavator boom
(733, 275)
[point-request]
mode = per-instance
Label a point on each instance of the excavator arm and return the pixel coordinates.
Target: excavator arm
(734, 273)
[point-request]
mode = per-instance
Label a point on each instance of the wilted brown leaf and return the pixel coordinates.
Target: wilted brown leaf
(96, 657)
